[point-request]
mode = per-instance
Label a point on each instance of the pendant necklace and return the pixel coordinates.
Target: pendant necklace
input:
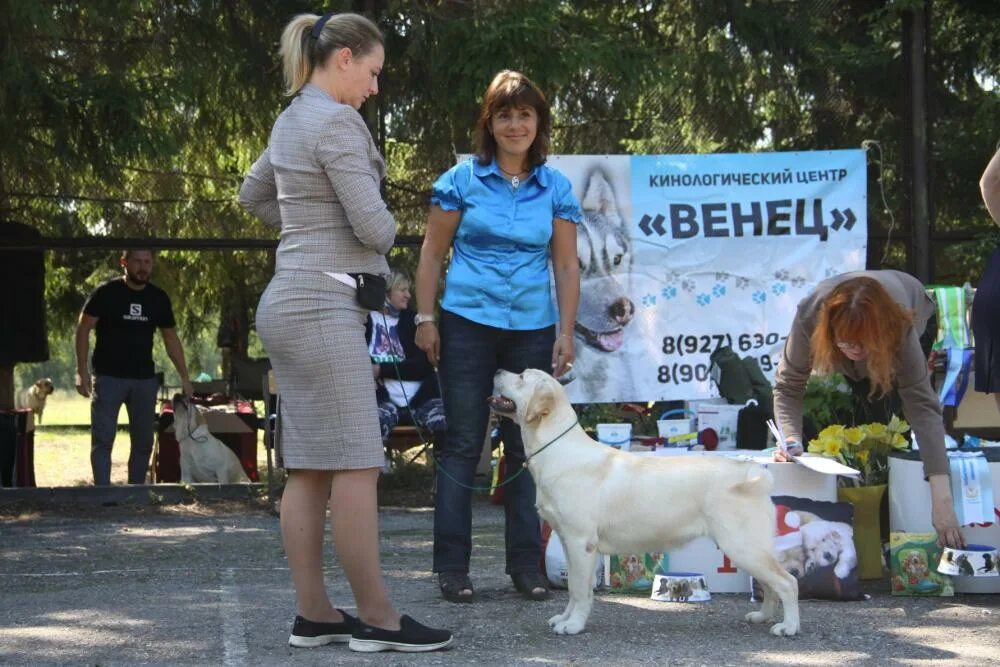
(514, 181)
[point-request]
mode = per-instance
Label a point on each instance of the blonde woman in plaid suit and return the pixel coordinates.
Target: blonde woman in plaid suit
(318, 180)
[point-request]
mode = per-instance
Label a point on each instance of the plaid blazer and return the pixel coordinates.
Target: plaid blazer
(318, 180)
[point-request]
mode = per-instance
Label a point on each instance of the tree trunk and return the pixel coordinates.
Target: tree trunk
(7, 387)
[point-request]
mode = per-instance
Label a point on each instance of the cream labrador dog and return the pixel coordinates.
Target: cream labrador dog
(204, 458)
(34, 397)
(601, 500)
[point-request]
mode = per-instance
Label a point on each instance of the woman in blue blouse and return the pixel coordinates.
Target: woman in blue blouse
(505, 215)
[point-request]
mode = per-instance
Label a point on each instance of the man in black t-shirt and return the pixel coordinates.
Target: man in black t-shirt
(126, 312)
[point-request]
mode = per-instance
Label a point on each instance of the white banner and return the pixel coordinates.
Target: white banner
(682, 254)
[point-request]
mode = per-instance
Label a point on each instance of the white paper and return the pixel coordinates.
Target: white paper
(825, 465)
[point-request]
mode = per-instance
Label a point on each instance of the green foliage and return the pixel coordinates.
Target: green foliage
(827, 401)
(139, 118)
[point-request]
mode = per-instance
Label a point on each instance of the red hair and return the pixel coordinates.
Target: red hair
(860, 311)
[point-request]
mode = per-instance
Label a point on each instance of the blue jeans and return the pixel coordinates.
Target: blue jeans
(139, 397)
(471, 354)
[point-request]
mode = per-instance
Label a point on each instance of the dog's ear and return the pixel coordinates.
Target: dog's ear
(541, 403)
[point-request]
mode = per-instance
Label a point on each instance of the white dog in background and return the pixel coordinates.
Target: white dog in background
(204, 458)
(827, 542)
(33, 398)
(601, 500)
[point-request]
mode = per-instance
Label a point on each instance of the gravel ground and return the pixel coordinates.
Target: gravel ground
(195, 585)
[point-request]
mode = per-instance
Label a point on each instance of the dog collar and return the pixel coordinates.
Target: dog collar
(527, 459)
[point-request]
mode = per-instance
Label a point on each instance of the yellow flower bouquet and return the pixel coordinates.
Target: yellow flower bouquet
(865, 448)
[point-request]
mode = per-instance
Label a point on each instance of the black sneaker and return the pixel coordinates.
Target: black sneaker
(310, 634)
(411, 637)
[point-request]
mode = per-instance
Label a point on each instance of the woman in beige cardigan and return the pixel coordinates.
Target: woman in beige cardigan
(867, 326)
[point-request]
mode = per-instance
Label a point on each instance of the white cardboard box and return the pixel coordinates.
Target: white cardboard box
(702, 555)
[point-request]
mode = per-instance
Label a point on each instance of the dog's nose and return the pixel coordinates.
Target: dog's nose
(621, 310)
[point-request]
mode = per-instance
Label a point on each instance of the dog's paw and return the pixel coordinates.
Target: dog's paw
(784, 629)
(571, 626)
(558, 618)
(758, 617)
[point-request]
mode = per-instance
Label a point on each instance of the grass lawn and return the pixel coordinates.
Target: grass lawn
(64, 407)
(62, 455)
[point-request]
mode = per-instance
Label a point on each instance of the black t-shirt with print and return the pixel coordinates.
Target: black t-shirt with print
(126, 322)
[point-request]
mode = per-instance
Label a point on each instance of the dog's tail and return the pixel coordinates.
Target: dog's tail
(758, 481)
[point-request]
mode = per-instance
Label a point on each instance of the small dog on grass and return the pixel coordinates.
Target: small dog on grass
(33, 398)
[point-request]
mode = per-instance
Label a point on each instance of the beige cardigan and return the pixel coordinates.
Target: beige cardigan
(921, 406)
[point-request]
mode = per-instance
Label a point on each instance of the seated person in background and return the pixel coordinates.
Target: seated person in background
(408, 390)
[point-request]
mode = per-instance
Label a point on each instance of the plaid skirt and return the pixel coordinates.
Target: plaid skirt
(314, 333)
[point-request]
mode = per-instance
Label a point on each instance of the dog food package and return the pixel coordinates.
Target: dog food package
(814, 542)
(633, 573)
(913, 559)
(618, 436)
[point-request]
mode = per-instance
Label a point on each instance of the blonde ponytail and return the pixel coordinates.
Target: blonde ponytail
(295, 52)
(300, 52)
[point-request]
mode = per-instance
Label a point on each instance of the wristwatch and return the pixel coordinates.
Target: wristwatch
(420, 318)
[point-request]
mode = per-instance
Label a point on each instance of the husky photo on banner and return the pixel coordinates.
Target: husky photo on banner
(682, 254)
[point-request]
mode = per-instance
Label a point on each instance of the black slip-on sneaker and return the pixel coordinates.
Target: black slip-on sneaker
(310, 634)
(412, 637)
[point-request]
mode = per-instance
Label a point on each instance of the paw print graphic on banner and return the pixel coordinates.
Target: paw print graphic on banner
(672, 277)
(760, 296)
(668, 292)
(778, 289)
(703, 299)
(798, 281)
(719, 290)
(722, 276)
(688, 285)
(742, 283)
(648, 300)
(781, 275)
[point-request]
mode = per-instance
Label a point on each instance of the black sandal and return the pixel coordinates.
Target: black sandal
(456, 587)
(528, 585)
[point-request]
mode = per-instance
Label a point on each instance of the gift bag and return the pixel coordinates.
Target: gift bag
(634, 573)
(913, 559)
